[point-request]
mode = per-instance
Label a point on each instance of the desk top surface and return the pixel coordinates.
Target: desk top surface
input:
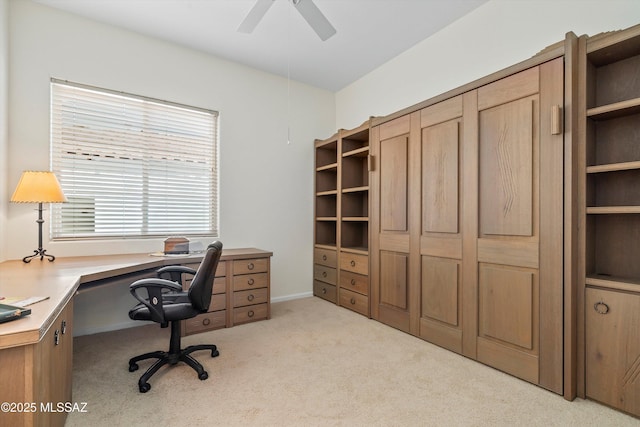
(60, 279)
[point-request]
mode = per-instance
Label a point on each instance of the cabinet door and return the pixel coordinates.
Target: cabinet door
(514, 258)
(440, 236)
(613, 349)
(395, 291)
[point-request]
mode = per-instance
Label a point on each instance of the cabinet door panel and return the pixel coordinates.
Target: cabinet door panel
(393, 183)
(440, 178)
(613, 349)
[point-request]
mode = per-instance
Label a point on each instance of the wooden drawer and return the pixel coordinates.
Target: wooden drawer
(354, 301)
(325, 291)
(251, 296)
(220, 270)
(250, 281)
(218, 302)
(219, 285)
(354, 282)
(249, 313)
(205, 322)
(324, 274)
(354, 263)
(325, 257)
(247, 266)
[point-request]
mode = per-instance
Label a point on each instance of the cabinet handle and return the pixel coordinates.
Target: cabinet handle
(601, 308)
(63, 326)
(206, 322)
(353, 282)
(324, 274)
(250, 313)
(353, 301)
(324, 290)
(353, 263)
(250, 297)
(56, 337)
(250, 266)
(324, 257)
(250, 282)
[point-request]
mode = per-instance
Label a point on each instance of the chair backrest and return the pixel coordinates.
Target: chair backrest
(202, 283)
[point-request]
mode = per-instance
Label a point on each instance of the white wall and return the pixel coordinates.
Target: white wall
(265, 184)
(4, 147)
(494, 36)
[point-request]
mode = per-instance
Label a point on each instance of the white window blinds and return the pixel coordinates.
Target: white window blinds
(131, 166)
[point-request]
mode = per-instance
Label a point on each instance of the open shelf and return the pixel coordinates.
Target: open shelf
(612, 282)
(614, 167)
(599, 210)
(359, 152)
(618, 109)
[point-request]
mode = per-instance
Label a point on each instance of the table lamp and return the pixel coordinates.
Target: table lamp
(38, 187)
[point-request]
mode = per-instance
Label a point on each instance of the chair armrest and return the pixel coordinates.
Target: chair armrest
(153, 301)
(175, 272)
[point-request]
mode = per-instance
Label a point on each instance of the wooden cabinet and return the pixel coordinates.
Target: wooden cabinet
(467, 223)
(240, 294)
(342, 219)
(250, 290)
(40, 378)
(610, 124)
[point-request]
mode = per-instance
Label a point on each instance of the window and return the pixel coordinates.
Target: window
(131, 166)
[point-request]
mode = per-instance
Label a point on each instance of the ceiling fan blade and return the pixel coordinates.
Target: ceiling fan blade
(255, 15)
(315, 18)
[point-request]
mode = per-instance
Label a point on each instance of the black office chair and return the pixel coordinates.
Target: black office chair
(165, 302)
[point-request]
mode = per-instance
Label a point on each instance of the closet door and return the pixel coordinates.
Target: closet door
(516, 252)
(440, 233)
(394, 222)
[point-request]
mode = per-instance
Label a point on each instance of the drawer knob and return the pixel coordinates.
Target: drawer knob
(353, 282)
(353, 263)
(250, 313)
(601, 308)
(206, 322)
(250, 282)
(324, 274)
(324, 257)
(353, 301)
(250, 297)
(324, 290)
(250, 266)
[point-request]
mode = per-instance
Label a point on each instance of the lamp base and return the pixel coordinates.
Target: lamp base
(39, 253)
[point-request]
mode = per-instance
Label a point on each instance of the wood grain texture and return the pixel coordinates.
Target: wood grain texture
(394, 183)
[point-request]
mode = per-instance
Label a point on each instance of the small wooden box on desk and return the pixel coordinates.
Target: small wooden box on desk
(241, 292)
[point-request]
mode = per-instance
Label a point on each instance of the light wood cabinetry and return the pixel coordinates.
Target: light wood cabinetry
(610, 125)
(467, 223)
(39, 381)
(341, 264)
(240, 294)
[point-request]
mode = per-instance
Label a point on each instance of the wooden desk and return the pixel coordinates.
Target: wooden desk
(36, 352)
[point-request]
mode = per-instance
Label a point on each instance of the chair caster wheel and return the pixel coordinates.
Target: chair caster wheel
(203, 376)
(133, 367)
(144, 387)
(215, 353)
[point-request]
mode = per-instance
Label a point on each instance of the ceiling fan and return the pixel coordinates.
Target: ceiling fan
(307, 9)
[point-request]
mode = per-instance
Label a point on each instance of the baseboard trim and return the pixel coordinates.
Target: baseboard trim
(292, 297)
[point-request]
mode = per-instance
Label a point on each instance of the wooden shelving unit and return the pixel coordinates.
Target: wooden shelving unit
(611, 118)
(342, 218)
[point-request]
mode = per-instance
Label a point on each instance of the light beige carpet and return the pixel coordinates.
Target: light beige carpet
(312, 364)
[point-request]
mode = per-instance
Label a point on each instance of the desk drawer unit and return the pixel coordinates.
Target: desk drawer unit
(216, 317)
(354, 263)
(241, 293)
(250, 297)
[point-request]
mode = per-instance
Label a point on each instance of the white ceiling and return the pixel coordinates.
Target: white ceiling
(369, 32)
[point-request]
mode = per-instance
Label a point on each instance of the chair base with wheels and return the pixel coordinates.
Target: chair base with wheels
(172, 357)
